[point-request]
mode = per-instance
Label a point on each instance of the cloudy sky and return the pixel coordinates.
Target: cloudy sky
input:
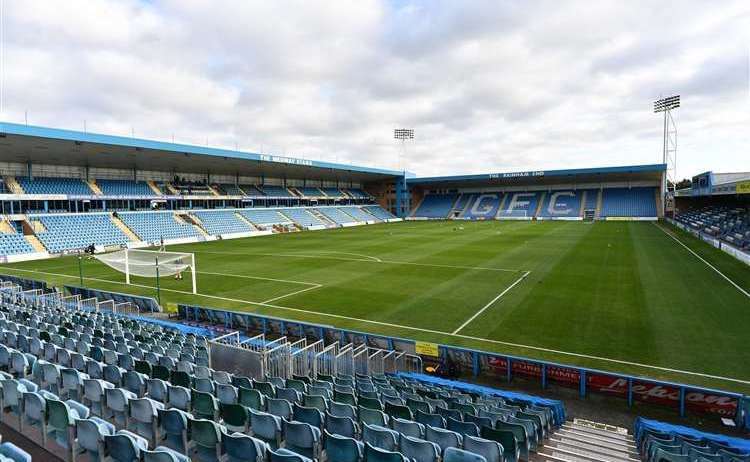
(486, 85)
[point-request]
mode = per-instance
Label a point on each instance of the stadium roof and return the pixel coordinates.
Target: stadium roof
(43, 145)
(541, 177)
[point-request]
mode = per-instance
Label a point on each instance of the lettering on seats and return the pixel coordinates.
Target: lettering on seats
(559, 209)
(479, 208)
(519, 200)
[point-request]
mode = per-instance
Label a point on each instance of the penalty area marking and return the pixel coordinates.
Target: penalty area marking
(736, 286)
(416, 329)
(492, 302)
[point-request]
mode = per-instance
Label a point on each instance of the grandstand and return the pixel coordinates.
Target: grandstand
(379, 279)
(605, 193)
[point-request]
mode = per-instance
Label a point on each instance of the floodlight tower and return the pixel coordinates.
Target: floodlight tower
(403, 134)
(669, 143)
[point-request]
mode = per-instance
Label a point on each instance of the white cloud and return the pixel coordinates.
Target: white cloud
(488, 86)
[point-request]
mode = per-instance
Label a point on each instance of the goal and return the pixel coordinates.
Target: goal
(150, 263)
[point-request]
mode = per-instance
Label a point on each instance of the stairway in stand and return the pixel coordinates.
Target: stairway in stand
(586, 441)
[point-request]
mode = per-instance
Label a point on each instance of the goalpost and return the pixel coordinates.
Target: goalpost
(150, 263)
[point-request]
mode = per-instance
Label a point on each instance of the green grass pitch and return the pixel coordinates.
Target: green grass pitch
(617, 296)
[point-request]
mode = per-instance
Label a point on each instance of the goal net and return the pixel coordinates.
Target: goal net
(149, 263)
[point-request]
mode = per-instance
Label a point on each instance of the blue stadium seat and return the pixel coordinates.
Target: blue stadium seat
(302, 217)
(125, 188)
(265, 217)
(14, 244)
(153, 226)
(42, 185)
(379, 212)
(629, 202)
(336, 215)
(217, 222)
(77, 231)
(561, 204)
(276, 191)
(435, 206)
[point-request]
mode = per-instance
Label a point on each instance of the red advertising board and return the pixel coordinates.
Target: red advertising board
(695, 401)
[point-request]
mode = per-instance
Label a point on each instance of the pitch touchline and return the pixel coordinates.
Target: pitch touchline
(703, 260)
(490, 303)
(392, 262)
(418, 329)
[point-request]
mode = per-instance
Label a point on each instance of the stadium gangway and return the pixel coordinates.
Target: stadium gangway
(305, 359)
(360, 359)
(325, 361)
(71, 302)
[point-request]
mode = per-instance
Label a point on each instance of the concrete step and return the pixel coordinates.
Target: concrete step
(579, 455)
(154, 188)
(94, 187)
(245, 220)
(603, 442)
(592, 448)
(124, 228)
(35, 243)
(598, 432)
(13, 185)
(593, 437)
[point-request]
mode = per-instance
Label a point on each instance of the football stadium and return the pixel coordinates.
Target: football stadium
(168, 301)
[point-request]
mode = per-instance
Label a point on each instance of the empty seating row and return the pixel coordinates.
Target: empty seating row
(629, 202)
(379, 212)
(435, 206)
(276, 191)
(42, 185)
(186, 408)
(663, 442)
(309, 191)
(154, 226)
(218, 222)
(561, 204)
(77, 231)
(333, 192)
(265, 217)
(125, 188)
(14, 244)
(358, 214)
(336, 215)
(302, 217)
